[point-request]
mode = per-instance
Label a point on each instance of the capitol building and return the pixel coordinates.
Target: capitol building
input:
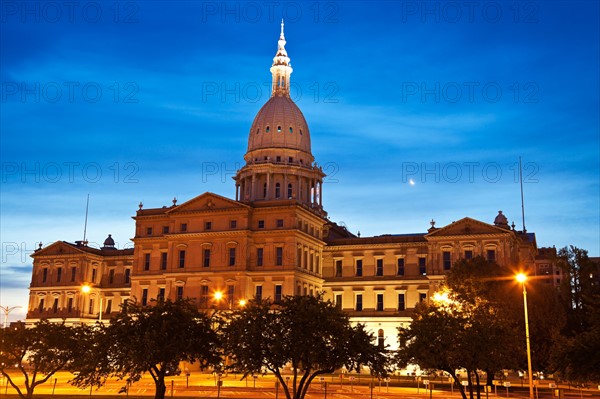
(273, 239)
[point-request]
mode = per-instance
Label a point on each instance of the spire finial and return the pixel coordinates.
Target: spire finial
(281, 68)
(282, 28)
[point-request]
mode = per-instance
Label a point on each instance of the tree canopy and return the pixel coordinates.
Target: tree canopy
(309, 335)
(150, 339)
(38, 352)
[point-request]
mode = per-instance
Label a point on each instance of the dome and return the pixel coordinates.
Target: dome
(279, 124)
(109, 242)
(501, 220)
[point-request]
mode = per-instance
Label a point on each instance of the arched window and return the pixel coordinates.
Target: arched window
(289, 191)
(267, 129)
(277, 190)
(380, 339)
(278, 129)
(291, 130)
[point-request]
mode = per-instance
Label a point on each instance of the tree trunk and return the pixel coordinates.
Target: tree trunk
(456, 382)
(490, 377)
(470, 380)
(30, 392)
(161, 388)
(478, 387)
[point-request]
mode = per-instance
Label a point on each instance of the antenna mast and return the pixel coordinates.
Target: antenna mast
(522, 200)
(87, 204)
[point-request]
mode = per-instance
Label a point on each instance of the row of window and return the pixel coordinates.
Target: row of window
(206, 258)
(73, 275)
(268, 130)
(446, 262)
(70, 306)
(379, 303)
(209, 225)
(206, 299)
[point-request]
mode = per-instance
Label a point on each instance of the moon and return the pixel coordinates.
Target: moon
(411, 182)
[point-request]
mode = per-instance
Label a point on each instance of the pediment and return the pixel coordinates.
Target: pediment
(466, 226)
(207, 202)
(58, 248)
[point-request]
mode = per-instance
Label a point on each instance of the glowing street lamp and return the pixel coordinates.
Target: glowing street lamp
(242, 303)
(521, 278)
(86, 289)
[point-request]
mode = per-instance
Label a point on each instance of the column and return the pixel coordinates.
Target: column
(321, 194)
(253, 187)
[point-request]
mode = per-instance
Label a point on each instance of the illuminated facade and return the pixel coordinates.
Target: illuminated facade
(273, 239)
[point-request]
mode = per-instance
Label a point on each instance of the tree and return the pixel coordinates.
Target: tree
(37, 352)
(150, 339)
(464, 326)
(311, 336)
(576, 355)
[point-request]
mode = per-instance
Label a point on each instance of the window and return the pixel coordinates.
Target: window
(58, 274)
(258, 293)
(380, 339)
(289, 188)
(94, 272)
(338, 301)
(447, 260)
(161, 295)
(261, 224)
(265, 190)
(300, 131)
(278, 289)
(69, 305)
(291, 130)
(422, 266)
(163, 261)
(278, 256)
(279, 223)
(278, 129)
(278, 158)
(146, 261)
(183, 227)
(182, 258)
(230, 294)
(233, 224)
(144, 296)
(111, 276)
(400, 267)
(179, 293)
(267, 129)
(338, 268)
(278, 186)
(55, 306)
(379, 302)
(359, 303)
(207, 225)
(231, 256)
(259, 256)
(468, 254)
(73, 274)
(165, 229)
(422, 296)
(108, 306)
(44, 274)
(401, 303)
(491, 255)
(127, 276)
(206, 260)
(359, 267)
(379, 267)
(41, 305)
(148, 231)
(204, 296)
(91, 307)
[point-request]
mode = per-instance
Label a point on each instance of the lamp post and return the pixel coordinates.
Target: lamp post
(521, 278)
(86, 289)
(7, 310)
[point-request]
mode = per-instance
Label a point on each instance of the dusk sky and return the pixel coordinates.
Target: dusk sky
(417, 111)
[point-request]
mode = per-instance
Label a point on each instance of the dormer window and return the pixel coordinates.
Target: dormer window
(267, 129)
(291, 130)
(257, 131)
(278, 129)
(301, 132)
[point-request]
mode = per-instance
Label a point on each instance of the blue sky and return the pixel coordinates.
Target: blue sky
(149, 100)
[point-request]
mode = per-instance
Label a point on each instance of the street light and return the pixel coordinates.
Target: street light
(86, 289)
(521, 278)
(7, 310)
